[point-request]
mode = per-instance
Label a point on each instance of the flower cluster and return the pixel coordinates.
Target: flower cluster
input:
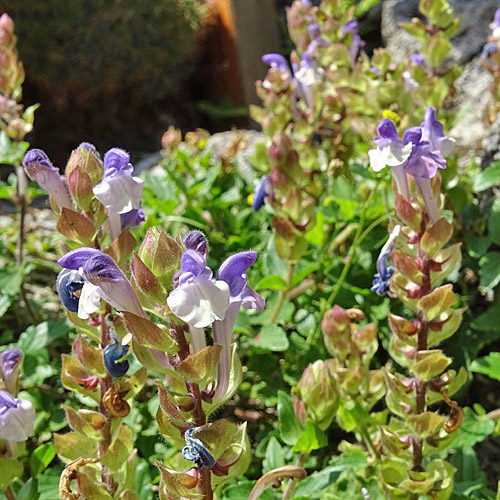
(89, 191)
(156, 310)
(420, 154)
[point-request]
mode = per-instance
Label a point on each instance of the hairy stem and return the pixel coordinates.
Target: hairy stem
(105, 384)
(21, 201)
(283, 293)
(199, 417)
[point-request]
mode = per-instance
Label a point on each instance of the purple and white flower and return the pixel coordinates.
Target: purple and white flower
(391, 151)
(39, 168)
(17, 418)
(119, 191)
(233, 271)
(103, 279)
(198, 300)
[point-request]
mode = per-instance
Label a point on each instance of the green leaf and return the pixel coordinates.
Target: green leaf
(365, 5)
(11, 278)
(473, 430)
(274, 455)
(494, 222)
(313, 438)
(11, 152)
(489, 365)
(271, 337)
(488, 321)
(289, 426)
(489, 177)
(316, 235)
(11, 468)
(272, 282)
(468, 476)
(36, 338)
(41, 458)
(120, 448)
(489, 272)
(313, 484)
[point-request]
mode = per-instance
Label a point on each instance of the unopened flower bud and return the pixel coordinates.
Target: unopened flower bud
(171, 139)
(6, 29)
(161, 254)
(317, 391)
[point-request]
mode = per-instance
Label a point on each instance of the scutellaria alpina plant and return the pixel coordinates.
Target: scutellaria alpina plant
(418, 240)
(156, 309)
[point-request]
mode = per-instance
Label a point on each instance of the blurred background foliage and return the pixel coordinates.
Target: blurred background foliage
(106, 69)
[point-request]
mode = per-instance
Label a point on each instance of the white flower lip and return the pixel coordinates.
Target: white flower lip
(200, 302)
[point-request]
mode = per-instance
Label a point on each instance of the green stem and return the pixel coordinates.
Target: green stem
(368, 440)
(283, 293)
(293, 482)
(357, 240)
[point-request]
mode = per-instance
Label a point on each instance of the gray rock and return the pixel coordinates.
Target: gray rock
(491, 146)
(471, 102)
(471, 36)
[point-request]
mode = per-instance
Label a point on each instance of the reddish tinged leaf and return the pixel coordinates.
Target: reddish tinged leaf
(146, 333)
(89, 356)
(407, 266)
(122, 247)
(437, 302)
(76, 227)
(436, 237)
(147, 282)
(80, 187)
(407, 213)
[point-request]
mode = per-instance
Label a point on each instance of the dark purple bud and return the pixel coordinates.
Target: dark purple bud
(112, 353)
(196, 240)
(68, 282)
